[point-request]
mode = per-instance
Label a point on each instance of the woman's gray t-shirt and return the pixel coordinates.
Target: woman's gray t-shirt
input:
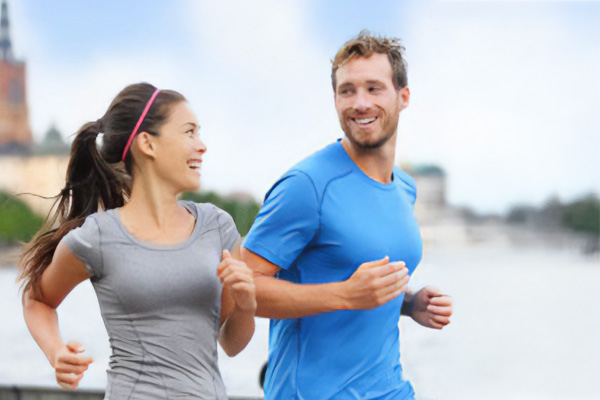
(160, 303)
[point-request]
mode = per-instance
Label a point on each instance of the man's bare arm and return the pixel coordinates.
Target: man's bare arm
(373, 284)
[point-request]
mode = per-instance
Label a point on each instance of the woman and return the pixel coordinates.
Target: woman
(167, 285)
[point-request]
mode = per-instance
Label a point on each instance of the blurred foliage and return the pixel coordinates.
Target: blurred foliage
(243, 212)
(17, 221)
(581, 215)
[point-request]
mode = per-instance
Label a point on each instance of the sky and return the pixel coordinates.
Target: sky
(505, 95)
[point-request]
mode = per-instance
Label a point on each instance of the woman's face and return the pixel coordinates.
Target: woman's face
(179, 150)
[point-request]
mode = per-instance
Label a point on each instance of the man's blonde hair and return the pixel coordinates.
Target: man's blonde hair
(365, 45)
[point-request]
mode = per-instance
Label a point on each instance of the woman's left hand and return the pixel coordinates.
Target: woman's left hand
(238, 279)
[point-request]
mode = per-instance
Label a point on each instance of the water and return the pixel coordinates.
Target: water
(526, 327)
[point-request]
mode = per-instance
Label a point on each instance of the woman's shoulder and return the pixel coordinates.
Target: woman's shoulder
(202, 209)
(208, 214)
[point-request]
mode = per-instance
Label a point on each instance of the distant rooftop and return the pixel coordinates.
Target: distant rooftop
(53, 143)
(425, 170)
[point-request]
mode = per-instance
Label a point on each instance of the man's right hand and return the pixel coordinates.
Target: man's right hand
(374, 283)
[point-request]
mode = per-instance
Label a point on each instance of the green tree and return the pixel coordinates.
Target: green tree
(17, 221)
(243, 212)
(583, 215)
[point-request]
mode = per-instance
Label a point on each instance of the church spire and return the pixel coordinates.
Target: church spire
(5, 44)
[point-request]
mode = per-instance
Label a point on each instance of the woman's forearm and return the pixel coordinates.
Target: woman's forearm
(42, 322)
(237, 331)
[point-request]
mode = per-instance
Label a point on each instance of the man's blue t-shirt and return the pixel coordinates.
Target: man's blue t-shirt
(319, 223)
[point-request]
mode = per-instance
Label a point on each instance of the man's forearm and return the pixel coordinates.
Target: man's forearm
(281, 299)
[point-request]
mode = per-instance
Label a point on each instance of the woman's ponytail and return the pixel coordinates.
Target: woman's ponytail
(90, 182)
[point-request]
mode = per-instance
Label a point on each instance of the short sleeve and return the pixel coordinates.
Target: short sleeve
(227, 230)
(287, 222)
(408, 183)
(84, 243)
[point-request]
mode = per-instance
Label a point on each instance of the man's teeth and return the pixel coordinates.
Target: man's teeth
(365, 121)
(194, 165)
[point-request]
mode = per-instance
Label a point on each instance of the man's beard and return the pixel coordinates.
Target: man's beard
(367, 144)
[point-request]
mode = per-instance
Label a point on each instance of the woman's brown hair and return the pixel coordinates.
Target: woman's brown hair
(95, 178)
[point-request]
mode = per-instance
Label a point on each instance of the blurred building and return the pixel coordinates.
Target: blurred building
(15, 134)
(439, 221)
(38, 176)
(28, 170)
(431, 191)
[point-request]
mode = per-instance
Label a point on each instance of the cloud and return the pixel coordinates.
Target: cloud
(266, 101)
(502, 93)
(72, 95)
(506, 98)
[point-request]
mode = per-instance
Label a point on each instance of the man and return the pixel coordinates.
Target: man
(335, 242)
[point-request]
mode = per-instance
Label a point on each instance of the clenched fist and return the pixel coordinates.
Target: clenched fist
(237, 278)
(69, 366)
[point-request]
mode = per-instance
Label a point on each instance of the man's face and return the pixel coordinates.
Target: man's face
(366, 101)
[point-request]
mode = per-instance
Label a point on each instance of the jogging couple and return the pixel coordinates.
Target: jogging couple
(328, 258)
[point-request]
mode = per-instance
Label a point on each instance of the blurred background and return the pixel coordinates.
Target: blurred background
(502, 136)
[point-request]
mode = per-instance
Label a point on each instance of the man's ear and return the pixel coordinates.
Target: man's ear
(403, 97)
(146, 144)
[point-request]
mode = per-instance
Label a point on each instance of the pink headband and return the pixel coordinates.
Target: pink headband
(139, 122)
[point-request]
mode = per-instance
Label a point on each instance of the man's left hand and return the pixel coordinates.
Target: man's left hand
(431, 308)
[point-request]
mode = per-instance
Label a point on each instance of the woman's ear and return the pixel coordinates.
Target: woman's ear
(146, 144)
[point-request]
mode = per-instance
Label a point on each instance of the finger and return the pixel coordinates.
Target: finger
(392, 278)
(223, 265)
(66, 385)
(441, 300)
(72, 359)
(397, 288)
(376, 263)
(70, 380)
(243, 286)
(432, 291)
(235, 266)
(235, 277)
(399, 264)
(441, 320)
(443, 311)
(226, 254)
(75, 347)
(435, 325)
(71, 369)
(390, 268)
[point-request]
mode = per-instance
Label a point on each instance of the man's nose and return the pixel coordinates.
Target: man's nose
(362, 101)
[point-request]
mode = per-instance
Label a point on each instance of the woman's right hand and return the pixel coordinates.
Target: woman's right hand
(69, 366)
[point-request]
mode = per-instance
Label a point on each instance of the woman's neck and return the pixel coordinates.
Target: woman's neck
(152, 214)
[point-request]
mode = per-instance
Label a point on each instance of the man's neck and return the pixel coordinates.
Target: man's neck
(377, 164)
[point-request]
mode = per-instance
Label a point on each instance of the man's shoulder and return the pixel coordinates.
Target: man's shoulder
(404, 177)
(406, 181)
(322, 166)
